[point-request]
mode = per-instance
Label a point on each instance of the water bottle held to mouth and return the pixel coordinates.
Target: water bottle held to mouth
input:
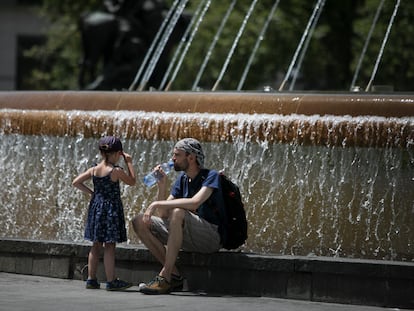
(151, 178)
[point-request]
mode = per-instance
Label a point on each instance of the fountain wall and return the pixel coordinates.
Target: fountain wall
(321, 174)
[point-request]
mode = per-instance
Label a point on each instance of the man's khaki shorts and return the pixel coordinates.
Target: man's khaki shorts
(198, 234)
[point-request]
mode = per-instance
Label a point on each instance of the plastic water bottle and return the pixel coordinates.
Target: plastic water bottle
(151, 178)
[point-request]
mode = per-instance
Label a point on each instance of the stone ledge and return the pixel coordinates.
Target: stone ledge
(355, 281)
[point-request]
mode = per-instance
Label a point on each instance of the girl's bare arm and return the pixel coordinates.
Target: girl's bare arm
(78, 182)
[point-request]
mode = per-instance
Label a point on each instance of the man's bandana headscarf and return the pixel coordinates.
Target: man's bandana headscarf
(191, 145)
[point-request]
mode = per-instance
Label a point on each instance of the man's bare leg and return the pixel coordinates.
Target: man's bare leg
(175, 240)
(156, 248)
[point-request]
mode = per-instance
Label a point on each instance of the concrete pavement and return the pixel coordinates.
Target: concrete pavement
(27, 292)
(331, 280)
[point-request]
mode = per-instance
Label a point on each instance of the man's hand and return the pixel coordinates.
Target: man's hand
(148, 213)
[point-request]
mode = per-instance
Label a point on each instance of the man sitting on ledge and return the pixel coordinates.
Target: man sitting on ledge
(189, 219)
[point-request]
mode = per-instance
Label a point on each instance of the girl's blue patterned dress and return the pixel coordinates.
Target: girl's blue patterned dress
(106, 221)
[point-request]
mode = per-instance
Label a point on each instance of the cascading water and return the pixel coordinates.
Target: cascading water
(322, 185)
(329, 176)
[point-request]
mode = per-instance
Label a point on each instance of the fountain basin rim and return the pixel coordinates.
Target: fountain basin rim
(352, 104)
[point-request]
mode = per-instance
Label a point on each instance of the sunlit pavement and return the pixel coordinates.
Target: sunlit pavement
(26, 292)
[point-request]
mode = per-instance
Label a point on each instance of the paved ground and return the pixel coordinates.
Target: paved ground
(24, 292)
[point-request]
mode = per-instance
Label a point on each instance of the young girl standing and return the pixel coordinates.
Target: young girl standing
(106, 222)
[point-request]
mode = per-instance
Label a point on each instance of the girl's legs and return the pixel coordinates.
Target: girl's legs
(112, 283)
(109, 261)
(93, 259)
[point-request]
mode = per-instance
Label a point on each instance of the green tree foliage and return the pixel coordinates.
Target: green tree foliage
(58, 59)
(396, 67)
(328, 65)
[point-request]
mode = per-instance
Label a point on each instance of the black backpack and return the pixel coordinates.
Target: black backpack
(236, 222)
